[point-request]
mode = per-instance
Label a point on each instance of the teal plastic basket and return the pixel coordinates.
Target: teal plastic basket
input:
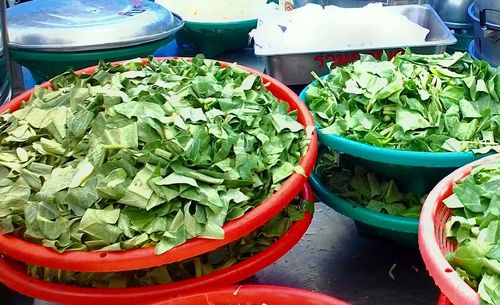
(414, 171)
(214, 38)
(402, 230)
(45, 65)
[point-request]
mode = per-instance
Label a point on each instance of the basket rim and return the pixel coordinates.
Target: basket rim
(359, 213)
(53, 292)
(445, 277)
(390, 155)
(141, 258)
(443, 300)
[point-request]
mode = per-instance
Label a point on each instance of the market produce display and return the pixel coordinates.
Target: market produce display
(475, 226)
(215, 10)
(133, 155)
(168, 180)
(373, 26)
(359, 186)
(221, 258)
(429, 103)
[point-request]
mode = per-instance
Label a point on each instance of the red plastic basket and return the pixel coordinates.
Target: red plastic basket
(15, 277)
(443, 300)
(254, 295)
(24, 251)
(433, 243)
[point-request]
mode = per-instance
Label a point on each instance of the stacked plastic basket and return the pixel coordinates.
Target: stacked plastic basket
(17, 252)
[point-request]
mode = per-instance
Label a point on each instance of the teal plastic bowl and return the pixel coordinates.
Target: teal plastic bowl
(414, 171)
(464, 37)
(214, 38)
(45, 65)
(401, 230)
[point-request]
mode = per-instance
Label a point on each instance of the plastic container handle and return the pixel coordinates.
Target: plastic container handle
(484, 23)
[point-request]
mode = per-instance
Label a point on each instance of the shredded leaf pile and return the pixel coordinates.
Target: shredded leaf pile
(475, 226)
(429, 103)
(134, 156)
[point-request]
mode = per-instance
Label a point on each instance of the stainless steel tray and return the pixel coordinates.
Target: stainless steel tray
(295, 68)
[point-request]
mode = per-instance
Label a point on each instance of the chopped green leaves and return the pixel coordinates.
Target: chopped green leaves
(359, 186)
(413, 102)
(219, 259)
(133, 155)
(475, 202)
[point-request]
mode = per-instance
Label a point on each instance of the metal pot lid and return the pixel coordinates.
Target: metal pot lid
(82, 25)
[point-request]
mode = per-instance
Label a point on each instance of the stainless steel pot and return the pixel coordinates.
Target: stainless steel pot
(454, 12)
(486, 16)
(87, 25)
(491, 8)
(360, 3)
(350, 3)
(5, 82)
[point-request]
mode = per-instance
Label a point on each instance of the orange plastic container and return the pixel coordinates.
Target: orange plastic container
(433, 243)
(254, 295)
(84, 261)
(14, 275)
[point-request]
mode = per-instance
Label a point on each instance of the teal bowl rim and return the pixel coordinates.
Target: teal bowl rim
(220, 25)
(360, 213)
(391, 155)
(94, 55)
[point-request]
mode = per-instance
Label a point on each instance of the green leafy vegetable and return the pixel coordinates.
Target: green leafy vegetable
(475, 226)
(133, 156)
(359, 186)
(413, 102)
(219, 259)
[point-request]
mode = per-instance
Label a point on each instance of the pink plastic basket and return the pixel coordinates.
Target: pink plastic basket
(443, 300)
(433, 243)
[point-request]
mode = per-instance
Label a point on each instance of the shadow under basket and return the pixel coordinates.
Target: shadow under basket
(409, 240)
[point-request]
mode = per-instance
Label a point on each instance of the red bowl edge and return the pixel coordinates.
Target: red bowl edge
(254, 294)
(144, 258)
(17, 279)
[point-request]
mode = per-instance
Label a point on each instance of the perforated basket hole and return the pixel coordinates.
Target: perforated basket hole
(440, 218)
